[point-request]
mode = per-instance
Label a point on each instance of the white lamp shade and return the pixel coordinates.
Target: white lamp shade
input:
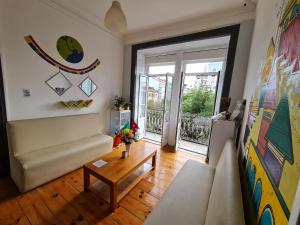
(115, 19)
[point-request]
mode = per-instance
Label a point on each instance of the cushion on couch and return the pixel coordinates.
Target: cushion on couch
(202, 195)
(185, 202)
(98, 144)
(225, 205)
(47, 164)
(33, 134)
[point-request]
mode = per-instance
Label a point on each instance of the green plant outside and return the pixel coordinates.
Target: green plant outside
(195, 101)
(198, 101)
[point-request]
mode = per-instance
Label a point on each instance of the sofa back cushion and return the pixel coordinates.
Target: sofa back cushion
(30, 135)
(225, 206)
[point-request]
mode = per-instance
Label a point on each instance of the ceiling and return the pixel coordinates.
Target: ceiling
(146, 14)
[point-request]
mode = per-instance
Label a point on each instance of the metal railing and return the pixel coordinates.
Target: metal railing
(154, 121)
(194, 128)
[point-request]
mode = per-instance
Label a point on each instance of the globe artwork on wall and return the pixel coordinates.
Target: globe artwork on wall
(69, 49)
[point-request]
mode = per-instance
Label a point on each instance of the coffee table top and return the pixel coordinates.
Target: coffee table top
(118, 169)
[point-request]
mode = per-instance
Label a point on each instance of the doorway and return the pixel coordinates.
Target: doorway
(154, 102)
(169, 120)
(196, 75)
(160, 77)
(198, 103)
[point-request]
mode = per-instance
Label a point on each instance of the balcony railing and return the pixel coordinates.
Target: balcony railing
(194, 128)
(154, 121)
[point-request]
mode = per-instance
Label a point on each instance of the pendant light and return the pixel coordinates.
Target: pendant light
(115, 19)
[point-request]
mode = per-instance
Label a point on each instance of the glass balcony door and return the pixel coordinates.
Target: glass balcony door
(142, 105)
(155, 107)
(197, 105)
(155, 91)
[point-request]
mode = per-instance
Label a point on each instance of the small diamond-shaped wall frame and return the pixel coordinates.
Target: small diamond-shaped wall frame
(59, 83)
(88, 86)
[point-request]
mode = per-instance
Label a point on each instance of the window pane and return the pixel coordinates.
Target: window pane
(161, 69)
(203, 67)
(156, 92)
(214, 67)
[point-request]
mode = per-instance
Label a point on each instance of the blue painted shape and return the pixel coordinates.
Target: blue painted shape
(257, 196)
(252, 178)
(266, 218)
(249, 165)
(75, 57)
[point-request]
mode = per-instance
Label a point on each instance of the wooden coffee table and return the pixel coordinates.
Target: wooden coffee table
(117, 170)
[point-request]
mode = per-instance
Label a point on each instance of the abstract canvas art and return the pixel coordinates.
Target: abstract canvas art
(272, 135)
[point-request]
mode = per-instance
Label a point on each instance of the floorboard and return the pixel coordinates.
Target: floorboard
(63, 202)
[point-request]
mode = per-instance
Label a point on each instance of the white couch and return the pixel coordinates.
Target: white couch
(203, 195)
(44, 149)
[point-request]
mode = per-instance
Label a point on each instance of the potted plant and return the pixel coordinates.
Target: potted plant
(119, 103)
(127, 105)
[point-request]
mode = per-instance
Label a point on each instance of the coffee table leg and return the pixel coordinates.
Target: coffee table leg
(154, 162)
(113, 197)
(86, 179)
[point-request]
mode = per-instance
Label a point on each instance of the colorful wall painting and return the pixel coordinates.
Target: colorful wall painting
(69, 49)
(32, 43)
(272, 135)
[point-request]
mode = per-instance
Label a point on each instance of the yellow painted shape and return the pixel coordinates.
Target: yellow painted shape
(256, 126)
(268, 63)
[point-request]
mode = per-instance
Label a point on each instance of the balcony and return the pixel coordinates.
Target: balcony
(194, 132)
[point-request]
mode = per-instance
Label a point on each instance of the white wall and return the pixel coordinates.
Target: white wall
(23, 68)
(241, 62)
(266, 25)
(239, 70)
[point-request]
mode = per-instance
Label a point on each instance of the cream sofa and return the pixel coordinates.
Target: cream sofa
(44, 149)
(203, 195)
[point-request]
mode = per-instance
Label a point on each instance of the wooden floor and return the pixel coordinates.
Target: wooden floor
(62, 201)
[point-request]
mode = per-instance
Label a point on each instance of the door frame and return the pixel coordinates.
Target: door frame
(4, 155)
(232, 31)
(166, 132)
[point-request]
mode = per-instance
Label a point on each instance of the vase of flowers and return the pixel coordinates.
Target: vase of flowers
(128, 137)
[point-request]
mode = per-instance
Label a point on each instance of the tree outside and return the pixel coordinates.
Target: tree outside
(199, 101)
(155, 105)
(196, 100)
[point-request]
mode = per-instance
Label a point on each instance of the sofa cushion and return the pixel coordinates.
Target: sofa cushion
(225, 205)
(30, 135)
(186, 200)
(46, 164)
